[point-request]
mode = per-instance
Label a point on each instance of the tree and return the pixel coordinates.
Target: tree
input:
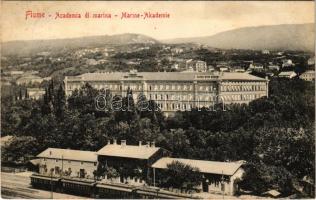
(26, 94)
(111, 173)
(60, 103)
(181, 175)
(20, 94)
(260, 178)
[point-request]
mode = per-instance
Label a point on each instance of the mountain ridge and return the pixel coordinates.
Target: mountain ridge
(272, 37)
(28, 46)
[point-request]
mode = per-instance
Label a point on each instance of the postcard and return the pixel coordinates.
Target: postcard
(157, 99)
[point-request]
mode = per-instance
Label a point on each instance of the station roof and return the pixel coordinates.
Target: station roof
(69, 154)
(209, 167)
(128, 151)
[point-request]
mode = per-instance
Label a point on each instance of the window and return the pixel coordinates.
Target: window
(222, 187)
(44, 159)
(82, 163)
(69, 161)
(95, 163)
(56, 160)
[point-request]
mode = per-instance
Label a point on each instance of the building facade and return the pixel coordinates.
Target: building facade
(174, 91)
(66, 162)
(196, 65)
(35, 93)
(132, 162)
(308, 75)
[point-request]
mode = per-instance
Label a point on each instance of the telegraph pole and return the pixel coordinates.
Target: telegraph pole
(62, 165)
(223, 186)
(51, 183)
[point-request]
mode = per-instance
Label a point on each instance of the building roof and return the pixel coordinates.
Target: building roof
(35, 89)
(290, 74)
(29, 77)
(6, 140)
(273, 193)
(169, 76)
(128, 151)
(69, 154)
(309, 72)
(210, 167)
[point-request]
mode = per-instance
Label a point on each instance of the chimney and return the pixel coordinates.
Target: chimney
(140, 143)
(123, 143)
(148, 144)
(109, 141)
(114, 141)
(153, 144)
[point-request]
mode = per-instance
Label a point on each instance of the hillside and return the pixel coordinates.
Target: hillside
(34, 46)
(276, 37)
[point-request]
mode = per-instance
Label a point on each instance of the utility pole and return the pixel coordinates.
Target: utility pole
(223, 186)
(154, 177)
(51, 183)
(62, 165)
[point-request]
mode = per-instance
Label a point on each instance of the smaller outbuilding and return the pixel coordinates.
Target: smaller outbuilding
(218, 177)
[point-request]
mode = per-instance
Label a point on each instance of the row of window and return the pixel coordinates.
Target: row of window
(180, 97)
(207, 88)
(240, 97)
(150, 87)
(236, 88)
(69, 161)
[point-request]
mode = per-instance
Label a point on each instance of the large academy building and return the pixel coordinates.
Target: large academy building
(174, 91)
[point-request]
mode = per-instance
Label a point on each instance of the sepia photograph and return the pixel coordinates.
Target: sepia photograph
(157, 99)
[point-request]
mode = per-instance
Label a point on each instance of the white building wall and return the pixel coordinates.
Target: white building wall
(75, 167)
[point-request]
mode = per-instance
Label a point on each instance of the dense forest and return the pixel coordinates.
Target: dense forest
(274, 135)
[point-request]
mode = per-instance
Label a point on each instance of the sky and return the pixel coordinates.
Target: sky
(187, 19)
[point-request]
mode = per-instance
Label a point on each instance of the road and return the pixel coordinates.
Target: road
(18, 186)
